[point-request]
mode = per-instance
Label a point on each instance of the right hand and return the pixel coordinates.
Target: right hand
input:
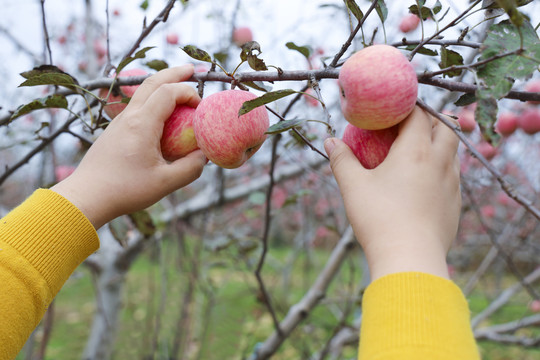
(405, 212)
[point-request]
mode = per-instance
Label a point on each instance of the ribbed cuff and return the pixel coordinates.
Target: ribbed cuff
(52, 234)
(411, 314)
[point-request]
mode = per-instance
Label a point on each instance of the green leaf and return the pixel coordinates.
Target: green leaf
(304, 50)
(48, 75)
(486, 114)
(465, 99)
(424, 12)
(353, 7)
(437, 8)
(263, 100)
(157, 65)
(257, 198)
(283, 126)
(197, 53)
(423, 50)
(510, 7)
(382, 10)
(257, 85)
(144, 5)
(449, 58)
(293, 199)
(256, 64)
(221, 56)
(143, 222)
(138, 55)
(51, 101)
(499, 75)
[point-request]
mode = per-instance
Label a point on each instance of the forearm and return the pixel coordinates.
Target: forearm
(41, 243)
(413, 315)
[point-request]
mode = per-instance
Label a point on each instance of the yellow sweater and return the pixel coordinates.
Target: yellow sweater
(406, 315)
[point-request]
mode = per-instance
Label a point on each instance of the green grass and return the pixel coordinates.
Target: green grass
(228, 316)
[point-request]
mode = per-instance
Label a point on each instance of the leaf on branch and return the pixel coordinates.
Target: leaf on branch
(283, 126)
(423, 50)
(143, 222)
(141, 54)
(486, 114)
(353, 7)
(144, 5)
(221, 56)
(500, 74)
(450, 58)
(465, 99)
(51, 101)
(382, 10)
(257, 85)
(256, 64)
(157, 65)
(263, 100)
(304, 50)
(423, 12)
(49, 75)
(197, 53)
(510, 7)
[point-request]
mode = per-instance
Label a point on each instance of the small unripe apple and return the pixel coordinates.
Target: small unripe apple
(378, 87)
(466, 120)
(533, 86)
(370, 146)
(506, 124)
(114, 109)
(409, 23)
(178, 138)
(242, 35)
(225, 138)
(529, 121)
(172, 39)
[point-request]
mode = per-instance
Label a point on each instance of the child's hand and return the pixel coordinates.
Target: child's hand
(405, 212)
(124, 170)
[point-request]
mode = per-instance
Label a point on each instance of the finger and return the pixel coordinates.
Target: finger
(184, 171)
(445, 139)
(162, 102)
(415, 129)
(152, 83)
(344, 164)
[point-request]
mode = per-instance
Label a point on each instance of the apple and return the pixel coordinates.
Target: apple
(63, 171)
(99, 49)
(487, 211)
(466, 120)
(242, 35)
(370, 146)
(409, 23)
(308, 97)
(116, 12)
(506, 124)
(114, 109)
(534, 306)
(533, 86)
(225, 138)
(487, 150)
(178, 138)
(529, 121)
(172, 39)
(378, 87)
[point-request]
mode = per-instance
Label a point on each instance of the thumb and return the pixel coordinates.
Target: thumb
(185, 170)
(343, 162)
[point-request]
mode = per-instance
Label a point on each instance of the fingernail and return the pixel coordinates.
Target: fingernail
(329, 145)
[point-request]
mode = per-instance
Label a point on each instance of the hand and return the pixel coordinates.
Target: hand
(124, 170)
(405, 212)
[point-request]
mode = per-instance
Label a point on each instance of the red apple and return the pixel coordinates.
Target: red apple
(114, 109)
(506, 124)
(378, 87)
(226, 139)
(487, 211)
(242, 35)
(487, 150)
(308, 96)
(116, 12)
(63, 171)
(466, 120)
(533, 86)
(534, 306)
(409, 23)
(172, 39)
(370, 146)
(178, 138)
(529, 121)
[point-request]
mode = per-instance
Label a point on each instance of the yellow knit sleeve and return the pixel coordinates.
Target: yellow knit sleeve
(411, 316)
(41, 243)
